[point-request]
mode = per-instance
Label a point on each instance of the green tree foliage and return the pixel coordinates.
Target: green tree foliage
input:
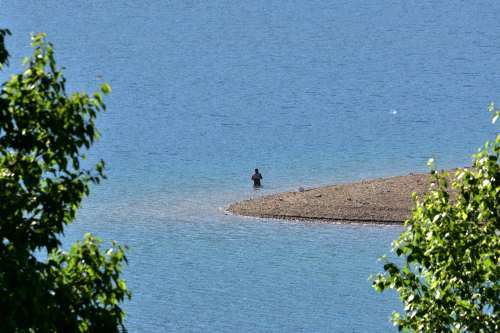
(449, 274)
(44, 133)
(3, 51)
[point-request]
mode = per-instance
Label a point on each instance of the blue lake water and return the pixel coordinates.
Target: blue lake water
(312, 93)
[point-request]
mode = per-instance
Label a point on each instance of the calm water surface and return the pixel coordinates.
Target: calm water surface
(311, 92)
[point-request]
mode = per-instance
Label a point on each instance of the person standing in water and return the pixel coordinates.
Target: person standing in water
(256, 177)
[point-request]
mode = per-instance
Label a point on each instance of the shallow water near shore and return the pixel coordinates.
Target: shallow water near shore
(311, 93)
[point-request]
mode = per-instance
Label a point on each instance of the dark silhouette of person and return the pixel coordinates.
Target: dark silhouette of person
(256, 177)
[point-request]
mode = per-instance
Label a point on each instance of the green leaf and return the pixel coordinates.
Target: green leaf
(105, 88)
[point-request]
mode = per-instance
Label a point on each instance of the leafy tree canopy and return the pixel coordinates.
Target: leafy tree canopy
(3, 51)
(449, 276)
(43, 134)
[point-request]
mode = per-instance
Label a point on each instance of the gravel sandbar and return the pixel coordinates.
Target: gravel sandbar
(383, 200)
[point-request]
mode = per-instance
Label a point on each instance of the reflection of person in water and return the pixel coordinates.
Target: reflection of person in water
(256, 177)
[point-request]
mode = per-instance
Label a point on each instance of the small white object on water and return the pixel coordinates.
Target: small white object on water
(394, 111)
